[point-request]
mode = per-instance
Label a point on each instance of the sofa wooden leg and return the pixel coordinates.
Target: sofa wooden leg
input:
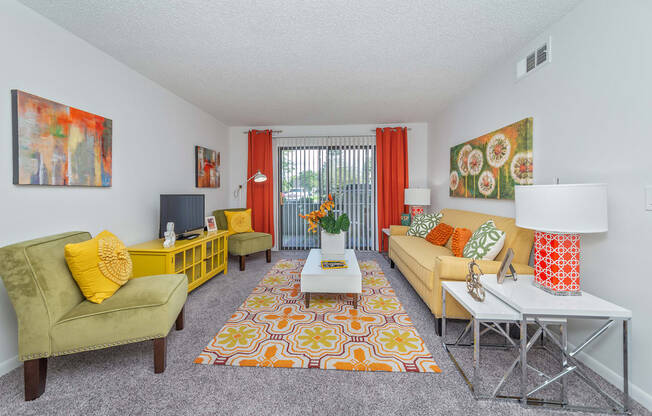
(391, 263)
(438, 326)
(160, 354)
(242, 263)
(180, 322)
(269, 255)
(35, 373)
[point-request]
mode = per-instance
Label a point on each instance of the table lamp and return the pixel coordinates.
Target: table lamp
(417, 198)
(559, 214)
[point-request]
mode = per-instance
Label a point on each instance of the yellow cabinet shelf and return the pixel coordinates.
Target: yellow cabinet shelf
(200, 259)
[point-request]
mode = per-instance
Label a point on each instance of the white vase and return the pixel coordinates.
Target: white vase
(332, 245)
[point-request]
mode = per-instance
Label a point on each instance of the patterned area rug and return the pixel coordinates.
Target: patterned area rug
(273, 328)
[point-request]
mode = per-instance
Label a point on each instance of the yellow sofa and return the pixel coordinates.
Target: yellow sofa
(426, 265)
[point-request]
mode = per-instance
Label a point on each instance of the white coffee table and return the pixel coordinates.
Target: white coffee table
(314, 279)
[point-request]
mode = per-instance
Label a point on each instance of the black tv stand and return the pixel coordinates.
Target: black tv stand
(187, 236)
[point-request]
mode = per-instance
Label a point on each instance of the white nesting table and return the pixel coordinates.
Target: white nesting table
(314, 279)
(534, 304)
(487, 316)
(489, 313)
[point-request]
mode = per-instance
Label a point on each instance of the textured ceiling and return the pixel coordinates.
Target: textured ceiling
(309, 62)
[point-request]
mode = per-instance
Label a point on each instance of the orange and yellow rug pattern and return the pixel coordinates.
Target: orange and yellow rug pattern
(273, 328)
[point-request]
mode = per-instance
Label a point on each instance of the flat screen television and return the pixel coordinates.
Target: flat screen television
(185, 211)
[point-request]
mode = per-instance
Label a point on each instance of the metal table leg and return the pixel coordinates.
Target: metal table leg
(564, 361)
(476, 357)
(524, 360)
(625, 366)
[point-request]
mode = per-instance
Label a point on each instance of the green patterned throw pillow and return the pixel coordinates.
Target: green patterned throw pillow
(422, 224)
(485, 243)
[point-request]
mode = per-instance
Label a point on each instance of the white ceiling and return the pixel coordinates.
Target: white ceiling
(309, 62)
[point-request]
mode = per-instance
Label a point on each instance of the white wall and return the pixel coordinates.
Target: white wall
(417, 145)
(154, 133)
(591, 107)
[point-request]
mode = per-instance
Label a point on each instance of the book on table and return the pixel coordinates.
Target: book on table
(333, 264)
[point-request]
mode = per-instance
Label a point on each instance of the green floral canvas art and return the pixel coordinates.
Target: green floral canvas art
(491, 165)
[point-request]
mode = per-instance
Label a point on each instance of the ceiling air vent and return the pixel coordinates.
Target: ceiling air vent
(534, 60)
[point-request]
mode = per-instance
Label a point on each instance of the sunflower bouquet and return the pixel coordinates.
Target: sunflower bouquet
(325, 218)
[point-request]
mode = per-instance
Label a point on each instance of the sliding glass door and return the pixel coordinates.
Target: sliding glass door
(346, 169)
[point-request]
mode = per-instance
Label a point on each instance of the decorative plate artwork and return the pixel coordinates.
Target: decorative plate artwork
(491, 165)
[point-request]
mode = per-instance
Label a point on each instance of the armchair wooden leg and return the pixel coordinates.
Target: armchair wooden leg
(391, 264)
(180, 322)
(269, 255)
(242, 263)
(35, 373)
(159, 355)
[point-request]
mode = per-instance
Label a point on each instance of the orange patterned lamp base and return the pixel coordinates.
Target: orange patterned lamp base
(416, 210)
(557, 263)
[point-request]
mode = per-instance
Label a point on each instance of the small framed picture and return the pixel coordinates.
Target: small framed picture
(506, 265)
(211, 225)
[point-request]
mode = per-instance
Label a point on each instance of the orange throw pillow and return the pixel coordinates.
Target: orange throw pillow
(440, 234)
(460, 237)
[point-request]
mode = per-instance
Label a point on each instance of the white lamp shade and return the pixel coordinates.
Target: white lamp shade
(578, 208)
(417, 196)
(260, 177)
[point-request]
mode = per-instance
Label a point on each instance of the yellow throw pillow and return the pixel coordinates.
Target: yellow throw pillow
(239, 221)
(99, 266)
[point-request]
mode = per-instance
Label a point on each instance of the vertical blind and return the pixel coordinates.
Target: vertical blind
(309, 169)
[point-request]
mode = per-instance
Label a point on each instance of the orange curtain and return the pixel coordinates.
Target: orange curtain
(392, 170)
(260, 196)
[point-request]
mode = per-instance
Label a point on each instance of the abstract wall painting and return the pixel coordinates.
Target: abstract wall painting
(491, 165)
(207, 168)
(54, 144)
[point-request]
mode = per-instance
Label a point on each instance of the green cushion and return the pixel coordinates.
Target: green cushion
(144, 308)
(220, 218)
(485, 243)
(247, 243)
(423, 223)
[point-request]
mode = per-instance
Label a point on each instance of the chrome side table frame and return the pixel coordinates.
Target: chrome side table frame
(570, 365)
(508, 344)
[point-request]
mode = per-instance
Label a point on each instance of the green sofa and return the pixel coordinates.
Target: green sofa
(55, 319)
(244, 244)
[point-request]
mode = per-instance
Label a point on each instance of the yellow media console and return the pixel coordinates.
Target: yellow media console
(200, 259)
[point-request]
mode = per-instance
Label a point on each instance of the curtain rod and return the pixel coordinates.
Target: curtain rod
(373, 130)
(319, 137)
(273, 131)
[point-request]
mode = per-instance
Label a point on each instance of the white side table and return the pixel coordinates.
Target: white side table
(489, 314)
(534, 304)
(386, 234)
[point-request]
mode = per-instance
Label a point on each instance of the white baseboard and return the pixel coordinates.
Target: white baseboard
(8, 365)
(614, 378)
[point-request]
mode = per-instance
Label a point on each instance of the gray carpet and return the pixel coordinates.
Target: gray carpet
(121, 380)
